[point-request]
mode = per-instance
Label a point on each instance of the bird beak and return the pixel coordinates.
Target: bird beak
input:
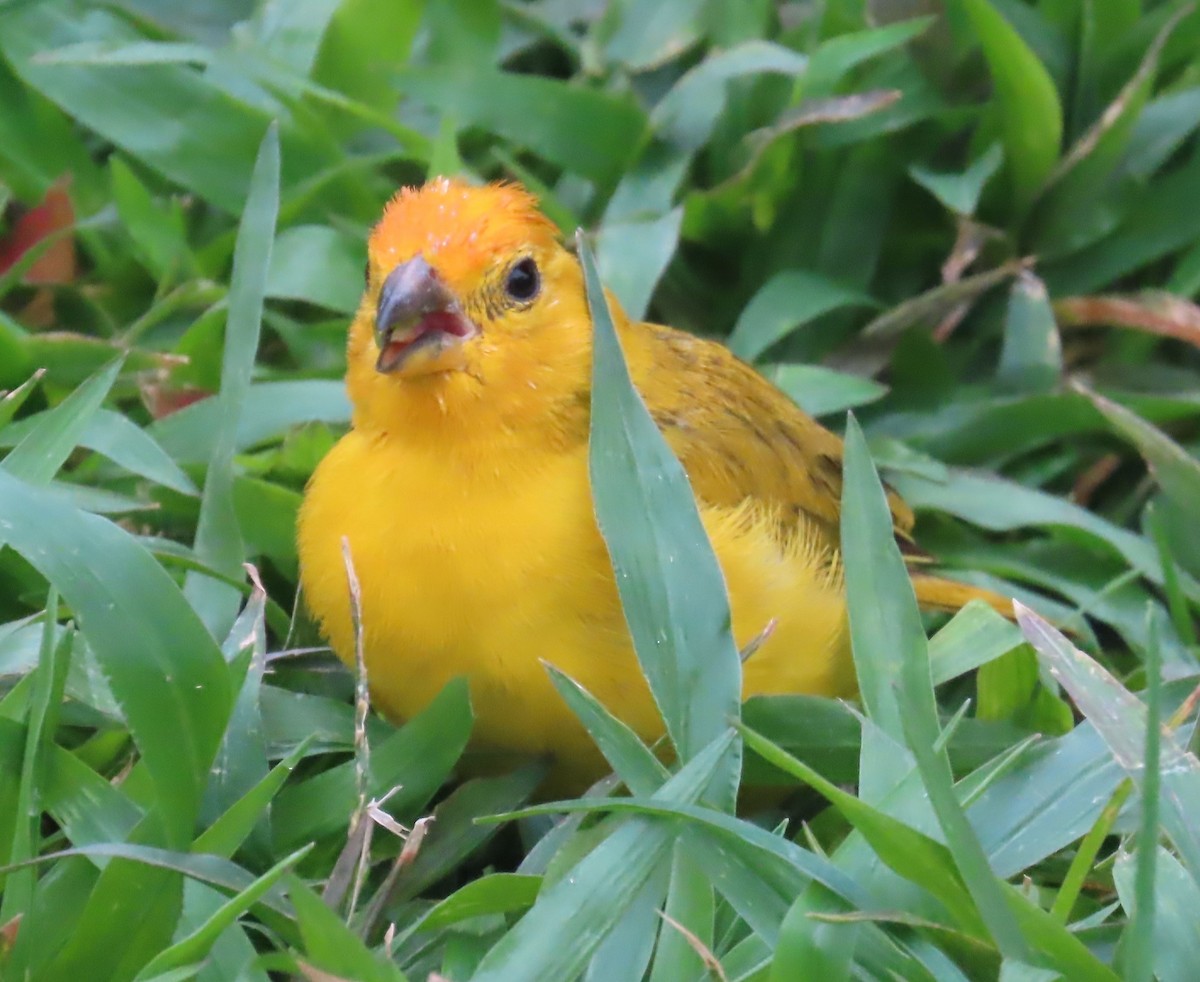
(419, 324)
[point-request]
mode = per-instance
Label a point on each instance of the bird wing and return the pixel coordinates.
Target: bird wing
(737, 435)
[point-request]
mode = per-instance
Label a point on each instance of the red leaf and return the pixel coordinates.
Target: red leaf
(54, 215)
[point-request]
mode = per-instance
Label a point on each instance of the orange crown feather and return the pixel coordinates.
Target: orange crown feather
(460, 228)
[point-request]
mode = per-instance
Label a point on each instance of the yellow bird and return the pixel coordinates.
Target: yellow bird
(462, 487)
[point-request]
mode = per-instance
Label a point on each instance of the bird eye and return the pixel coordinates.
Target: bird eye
(367, 273)
(523, 281)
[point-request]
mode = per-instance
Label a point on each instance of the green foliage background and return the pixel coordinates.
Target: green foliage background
(974, 223)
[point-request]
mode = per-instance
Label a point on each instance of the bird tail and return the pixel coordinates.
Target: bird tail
(935, 593)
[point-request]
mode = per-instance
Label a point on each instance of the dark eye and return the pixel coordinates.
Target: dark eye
(367, 273)
(523, 281)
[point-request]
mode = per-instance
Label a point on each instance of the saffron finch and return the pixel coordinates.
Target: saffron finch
(462, 487)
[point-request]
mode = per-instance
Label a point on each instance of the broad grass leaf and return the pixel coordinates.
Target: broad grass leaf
(885, 627)
(836, 56)
(671, 587)
(808, 946)
(323, 723)
(157, 231)
(1000, 505)
(631, 759)
(14, 400)
(213, 870)
(496, 893)
(169, 676)
(960, 191)
(147, 899)
(39, 143)
(586, 905)
(1151, 226)
(90, 809)
(776, 860)
(788, 300)
(973, 637)
(455, 835)
(1014, 926)
(418, 756)
(937, 868)
(1176, 929)
(691, 906)
(1177, 471)
(821, 391)
(316, 264)
(686, 115)
(363, 43)
(633, 254)
(225, 835)
(912, 854)
(589, 132)
(1031, 118)
(1159, 130)
(241, 761)
(1120, 718)
(117, 437)
(45, 702)
(1031, 356)
(196, 945)
(1086, 170)
(626, 951)
(232, 954)
(269, 410)
(330, 945)
(653, 32)
(139, 107)
(824, 733)
(46, 444)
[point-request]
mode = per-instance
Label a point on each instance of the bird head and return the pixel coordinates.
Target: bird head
(471, 300)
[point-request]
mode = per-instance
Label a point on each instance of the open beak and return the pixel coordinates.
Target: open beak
(420, 326)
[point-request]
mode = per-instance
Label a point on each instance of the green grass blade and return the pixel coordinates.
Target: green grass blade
(14, 400)
(910, 853)
(631, 759)
(960, 192)
(419, 757)
(168, 675)
(671, 587)
(45, 448)
(690, 907)
(975, 636)
(49, 681)
(785, 302)
(497, 893)
(330, 945)
(456, 834)
(218, 534)
(876, 575)
(1137, 943)
(586, 905)
(1176, 928)
(885, 627)
(196, 945)
(1031, 119)
(241, 762)
(270, 410)
(1031, 359)
(626, 950)
(1120, 718)
(1177, 603)
(212, 870)
(225, 835)
(125, 443)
